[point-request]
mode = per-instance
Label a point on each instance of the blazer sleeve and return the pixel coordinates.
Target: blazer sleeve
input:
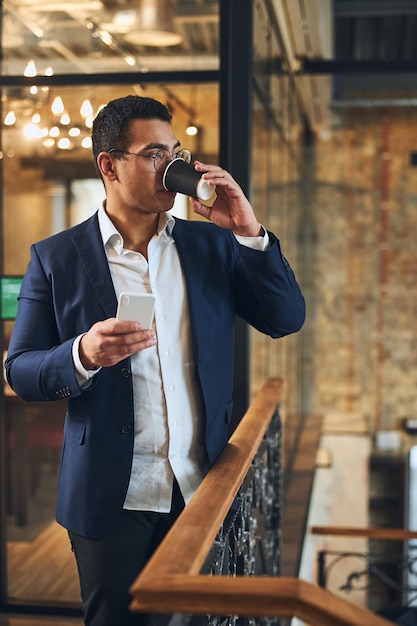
(267, 294)
(39, 364)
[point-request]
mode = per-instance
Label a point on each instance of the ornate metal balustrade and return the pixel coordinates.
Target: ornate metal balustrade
(249, 540)
(387, 574)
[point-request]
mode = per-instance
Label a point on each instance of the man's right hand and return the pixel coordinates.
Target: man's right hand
(111, 341)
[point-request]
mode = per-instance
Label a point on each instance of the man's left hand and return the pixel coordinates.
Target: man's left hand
(231, 209)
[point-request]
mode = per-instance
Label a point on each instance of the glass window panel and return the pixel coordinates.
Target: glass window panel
(47, 188)
(101, 36)
(275, 171)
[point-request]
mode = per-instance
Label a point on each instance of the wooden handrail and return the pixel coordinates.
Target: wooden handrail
(171, 581)
(390, 534)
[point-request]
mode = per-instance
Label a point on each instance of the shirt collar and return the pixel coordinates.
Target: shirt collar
(111, 236)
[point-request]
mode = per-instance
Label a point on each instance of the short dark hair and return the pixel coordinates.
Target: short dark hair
(111, 127)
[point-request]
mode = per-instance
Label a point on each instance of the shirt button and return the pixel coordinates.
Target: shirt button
(171, 388)
(174, 423)
(166, 352)
(161, 318)
(126, 429)
(125, 372)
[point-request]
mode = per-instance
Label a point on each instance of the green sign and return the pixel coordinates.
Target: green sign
(9, 290)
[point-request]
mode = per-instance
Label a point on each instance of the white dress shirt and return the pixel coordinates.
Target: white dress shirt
(168, 413)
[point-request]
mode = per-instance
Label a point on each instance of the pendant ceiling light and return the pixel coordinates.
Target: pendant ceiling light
(154, 25)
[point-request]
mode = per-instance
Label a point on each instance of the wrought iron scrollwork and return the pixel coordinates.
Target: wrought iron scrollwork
(393, 570)
(249, 541)
(252, 531)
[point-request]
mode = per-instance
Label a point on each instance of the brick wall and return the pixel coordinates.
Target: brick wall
(364, 314)
(349, 227)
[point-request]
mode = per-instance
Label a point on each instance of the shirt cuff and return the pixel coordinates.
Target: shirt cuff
(82, 375)
(256, 243)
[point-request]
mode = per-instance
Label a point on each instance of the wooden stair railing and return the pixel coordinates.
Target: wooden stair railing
(171, 582)
(388, 534)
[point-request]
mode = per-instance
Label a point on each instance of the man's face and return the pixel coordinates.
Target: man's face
(137, 185)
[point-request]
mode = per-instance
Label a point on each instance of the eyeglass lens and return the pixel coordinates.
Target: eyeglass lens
(164, 157)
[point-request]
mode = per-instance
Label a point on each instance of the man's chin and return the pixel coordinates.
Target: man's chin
(169, 200)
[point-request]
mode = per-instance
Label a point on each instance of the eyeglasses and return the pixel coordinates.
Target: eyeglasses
(161, 158)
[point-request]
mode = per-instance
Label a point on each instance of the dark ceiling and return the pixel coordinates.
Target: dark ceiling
(380, 30)
(375, 49)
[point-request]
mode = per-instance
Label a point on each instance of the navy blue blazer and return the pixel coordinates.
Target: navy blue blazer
(68, 287)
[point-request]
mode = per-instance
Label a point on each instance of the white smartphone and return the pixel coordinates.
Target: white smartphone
(136, 307)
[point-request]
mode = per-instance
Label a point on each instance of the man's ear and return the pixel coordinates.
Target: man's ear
(105, 163)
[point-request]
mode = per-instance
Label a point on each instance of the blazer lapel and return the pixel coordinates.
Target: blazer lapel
(89, 246)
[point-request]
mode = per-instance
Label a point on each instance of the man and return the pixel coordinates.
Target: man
(148, 409)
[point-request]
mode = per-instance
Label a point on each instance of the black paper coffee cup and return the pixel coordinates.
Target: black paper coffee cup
(182, 177)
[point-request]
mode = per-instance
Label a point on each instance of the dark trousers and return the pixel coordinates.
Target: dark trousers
(109, 565)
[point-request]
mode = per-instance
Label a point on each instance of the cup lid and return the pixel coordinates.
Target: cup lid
(204, 191)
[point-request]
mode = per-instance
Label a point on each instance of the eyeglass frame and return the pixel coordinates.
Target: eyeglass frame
(154, 156)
